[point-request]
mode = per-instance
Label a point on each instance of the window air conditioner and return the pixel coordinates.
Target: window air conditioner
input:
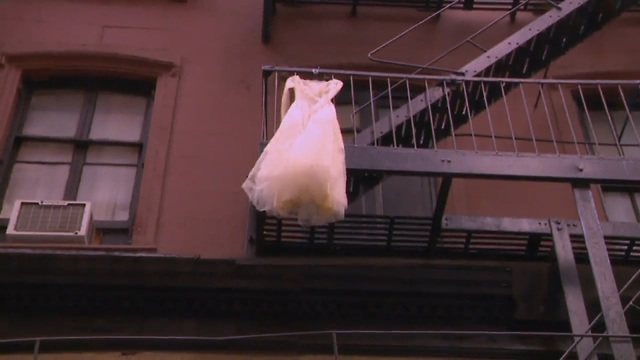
(51, 222)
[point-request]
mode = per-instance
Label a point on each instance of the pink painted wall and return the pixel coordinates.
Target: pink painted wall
(217, 117)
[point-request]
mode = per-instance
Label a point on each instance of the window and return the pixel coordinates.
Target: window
(80, 139)
(614, 132)
(397, 195)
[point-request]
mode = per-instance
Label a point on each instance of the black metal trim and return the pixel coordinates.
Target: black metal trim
(438, 212)
(610, 302)
(268, 11)
(571, 287)
(469, 164)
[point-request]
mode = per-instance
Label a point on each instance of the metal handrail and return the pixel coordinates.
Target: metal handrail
(333, 333)
(268, 69)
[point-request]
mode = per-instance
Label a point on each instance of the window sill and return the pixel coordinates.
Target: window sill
(83, 248)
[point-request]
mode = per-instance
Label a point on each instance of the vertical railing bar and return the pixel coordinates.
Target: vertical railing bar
(379, 189)
(373, 113)
(626, 108)
(413, 125)
(467, 241)
(566, 111)
(378, 96)
(453, 133)
(279, 232)
(529, 122)
(506, 107)
(589, 121)
(335, 345)
(546, 112)
(330, 231)
(546, 72)
(36, 349)
(622, 130)
(392, 222)
(431, 119)
(333, 99)
(630, 247)
(486, 105)
(466, 103)
(264, 136)
(275, 103)
(393, 128)
(614, 132)
(353, 111)
(312, 235)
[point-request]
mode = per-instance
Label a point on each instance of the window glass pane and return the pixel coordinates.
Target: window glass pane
(34, 182)
(109, 188)
(618, 206)
(118, 117)
(45, 152)
(54, 113)
(603, 132)
(105, 154)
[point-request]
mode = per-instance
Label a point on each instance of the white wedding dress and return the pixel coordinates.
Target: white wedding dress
(301, 173)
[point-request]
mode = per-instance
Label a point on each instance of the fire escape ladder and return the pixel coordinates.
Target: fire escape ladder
(446, 106)
(521, 55)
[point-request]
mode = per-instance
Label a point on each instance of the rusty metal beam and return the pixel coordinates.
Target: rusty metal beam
(469, 164)
(612, 311)
(571, 287)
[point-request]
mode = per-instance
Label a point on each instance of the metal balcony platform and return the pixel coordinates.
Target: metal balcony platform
(462, 237)
(543, 130)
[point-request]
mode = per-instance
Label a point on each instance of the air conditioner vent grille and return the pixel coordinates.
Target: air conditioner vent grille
(51, 218)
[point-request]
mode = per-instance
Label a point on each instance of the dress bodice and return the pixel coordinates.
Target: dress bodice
(313, 93)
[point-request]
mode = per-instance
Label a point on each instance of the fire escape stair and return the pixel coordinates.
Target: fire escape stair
(450, 105)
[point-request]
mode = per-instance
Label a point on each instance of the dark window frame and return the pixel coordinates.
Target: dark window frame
(112, 232)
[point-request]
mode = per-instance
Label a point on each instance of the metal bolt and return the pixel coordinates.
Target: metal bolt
(580, 167)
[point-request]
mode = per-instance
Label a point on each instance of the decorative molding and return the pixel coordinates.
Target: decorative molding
(89, 248)
(88, 59)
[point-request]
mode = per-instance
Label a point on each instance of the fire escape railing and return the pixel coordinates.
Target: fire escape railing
(485, 125)
(567, 136)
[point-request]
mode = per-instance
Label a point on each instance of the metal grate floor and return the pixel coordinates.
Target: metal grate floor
(364, 235)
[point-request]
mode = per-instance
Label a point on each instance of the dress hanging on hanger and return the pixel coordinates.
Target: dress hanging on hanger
(301, 172)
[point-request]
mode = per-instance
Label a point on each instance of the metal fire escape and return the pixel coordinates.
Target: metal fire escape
(408, 140)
